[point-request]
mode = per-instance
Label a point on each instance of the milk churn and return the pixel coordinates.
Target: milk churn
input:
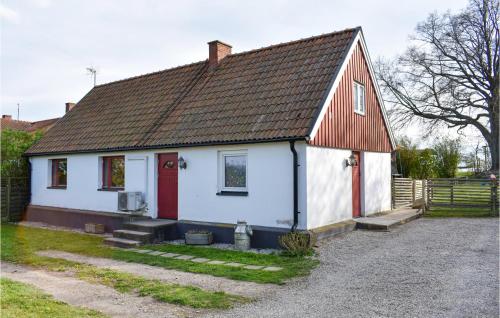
(242, 235)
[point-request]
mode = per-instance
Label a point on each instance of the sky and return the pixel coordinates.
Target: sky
(47, 45)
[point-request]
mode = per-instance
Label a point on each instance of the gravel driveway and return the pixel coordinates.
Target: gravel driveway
(427, 268)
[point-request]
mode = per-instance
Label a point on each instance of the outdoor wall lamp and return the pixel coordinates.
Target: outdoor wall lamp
(182, 163)
(351, 161)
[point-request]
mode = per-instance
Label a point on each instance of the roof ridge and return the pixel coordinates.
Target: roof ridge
(314, 37)
(39, 121)
(151, 73)
(235, 54)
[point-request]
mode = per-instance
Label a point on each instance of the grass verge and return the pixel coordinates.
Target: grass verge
(19, 244)
(170, 293)
(443, 212)
(21, 300)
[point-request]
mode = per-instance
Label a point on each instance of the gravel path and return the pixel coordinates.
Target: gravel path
(248, 289)
(427, 268)
(104, 299)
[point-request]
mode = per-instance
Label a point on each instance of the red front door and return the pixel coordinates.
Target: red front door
(356, 186)
(167, 185)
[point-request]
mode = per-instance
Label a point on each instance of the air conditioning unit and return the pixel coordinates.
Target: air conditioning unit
(130, 201)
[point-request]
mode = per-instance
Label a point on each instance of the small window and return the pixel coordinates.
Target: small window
(59, 173)
(113, 172)
(234, 171)
(359, 98)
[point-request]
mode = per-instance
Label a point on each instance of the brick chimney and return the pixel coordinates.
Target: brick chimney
(69, 106)
(9, 117)
(217, 50)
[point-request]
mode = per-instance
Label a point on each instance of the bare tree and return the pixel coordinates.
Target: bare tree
(449, 74)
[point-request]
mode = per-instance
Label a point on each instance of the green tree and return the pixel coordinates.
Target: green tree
(413, 162)
(406, 157)
(425, 167)
(14, 144)
(447, 153)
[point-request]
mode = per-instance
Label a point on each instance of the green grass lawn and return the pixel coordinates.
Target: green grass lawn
(21, 300)
(19, 244)
(443, 212)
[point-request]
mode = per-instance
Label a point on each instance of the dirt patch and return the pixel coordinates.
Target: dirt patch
(207, 282)
(104, 299)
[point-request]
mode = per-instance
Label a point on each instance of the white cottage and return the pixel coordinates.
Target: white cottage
(294, 135)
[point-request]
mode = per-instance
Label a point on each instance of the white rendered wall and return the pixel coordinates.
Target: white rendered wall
(270, 184)
(329, 186)
(84, 179)
(376, 176)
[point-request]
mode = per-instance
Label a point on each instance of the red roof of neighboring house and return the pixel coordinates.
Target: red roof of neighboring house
(273, 93)
(8, 123)
(43, 125)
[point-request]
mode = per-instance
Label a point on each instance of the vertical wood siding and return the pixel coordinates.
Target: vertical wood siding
(341, 127)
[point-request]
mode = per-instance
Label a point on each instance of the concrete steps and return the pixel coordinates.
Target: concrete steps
(143, 231)
(120, 242)
(161, 230)
(389, 220)
(143, 237)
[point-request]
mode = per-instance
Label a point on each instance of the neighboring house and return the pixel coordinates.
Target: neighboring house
(291, 135)
(30, 126)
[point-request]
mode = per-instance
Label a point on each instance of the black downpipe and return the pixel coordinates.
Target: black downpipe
(295, 186)
(29, 180)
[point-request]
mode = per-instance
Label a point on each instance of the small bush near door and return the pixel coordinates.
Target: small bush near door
(297, 243)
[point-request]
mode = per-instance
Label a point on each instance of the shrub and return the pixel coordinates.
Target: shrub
(298, 243)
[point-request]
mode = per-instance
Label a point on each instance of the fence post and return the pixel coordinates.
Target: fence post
(427, 199)
(8, 198)
(393, 194)
(493, 197)
(451, 193)
(413, 192)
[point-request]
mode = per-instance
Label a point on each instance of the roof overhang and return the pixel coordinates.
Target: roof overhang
(156, 147)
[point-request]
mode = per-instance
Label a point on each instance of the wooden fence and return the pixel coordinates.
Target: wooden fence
(14, 198)
(463, 193)
(406, 191)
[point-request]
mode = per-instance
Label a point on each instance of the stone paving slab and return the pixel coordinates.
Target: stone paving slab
(171, 255)
(234, 264)
(156, 253)
(200, 260)
(215, 262)
(272, 269)
(144, 251)
(253, 267)
(206, 260)
(185, 257)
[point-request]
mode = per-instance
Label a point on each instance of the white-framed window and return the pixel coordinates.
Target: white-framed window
(233, 171)
(359, 98)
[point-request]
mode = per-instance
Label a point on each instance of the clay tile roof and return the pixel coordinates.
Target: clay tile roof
(266, 94)
(9, 123)
(43, 125)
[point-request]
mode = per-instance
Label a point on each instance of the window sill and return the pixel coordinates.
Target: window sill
(57, 187)
(111, 189)
(359, 113)
(233, 193)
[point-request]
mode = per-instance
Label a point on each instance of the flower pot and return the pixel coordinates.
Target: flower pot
(199, 238)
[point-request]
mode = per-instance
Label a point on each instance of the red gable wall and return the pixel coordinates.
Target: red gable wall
(341, 127)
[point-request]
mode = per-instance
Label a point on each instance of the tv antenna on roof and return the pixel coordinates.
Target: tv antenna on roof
(92, 72)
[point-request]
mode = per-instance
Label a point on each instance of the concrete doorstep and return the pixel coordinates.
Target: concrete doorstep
(386, 221)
